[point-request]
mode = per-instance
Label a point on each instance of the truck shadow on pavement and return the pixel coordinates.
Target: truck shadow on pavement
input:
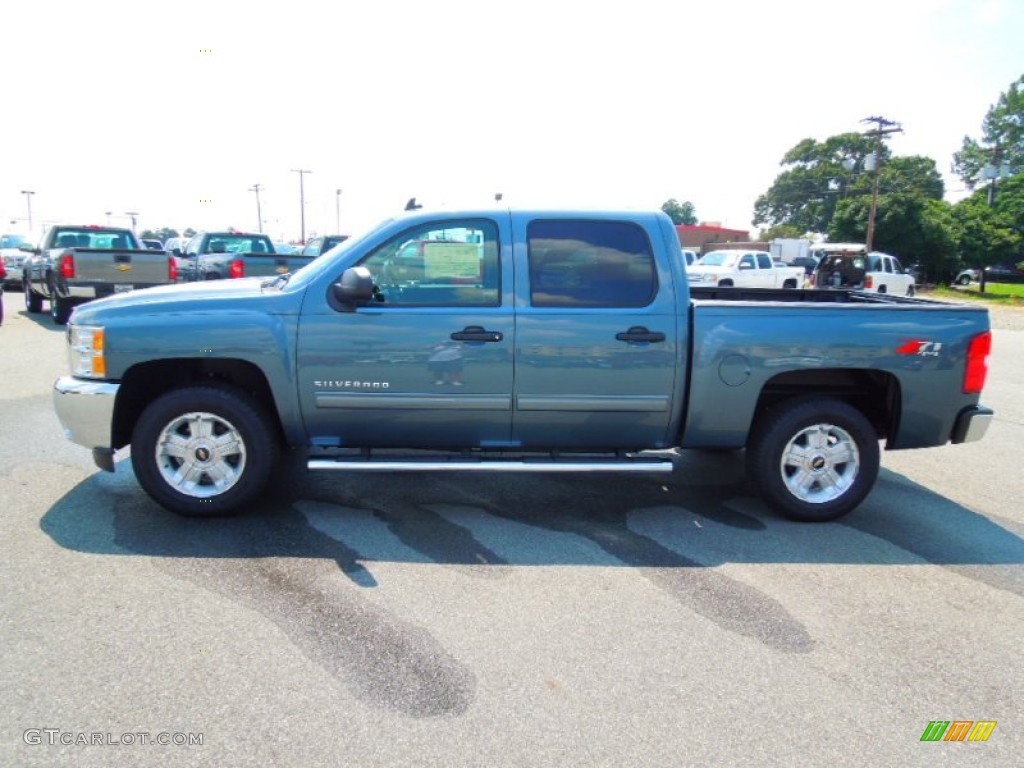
(281, 558)
(702, 515)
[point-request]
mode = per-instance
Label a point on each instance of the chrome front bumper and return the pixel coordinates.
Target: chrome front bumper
(86, 412)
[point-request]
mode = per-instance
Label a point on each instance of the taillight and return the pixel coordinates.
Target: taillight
(67, 265)
(237, 268)
(977, 363)
(172, 269)
(868, 282)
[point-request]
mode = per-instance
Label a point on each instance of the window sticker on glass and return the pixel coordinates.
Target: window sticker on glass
(443, 260)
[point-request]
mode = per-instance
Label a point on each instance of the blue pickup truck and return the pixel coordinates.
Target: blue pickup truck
(537, 341)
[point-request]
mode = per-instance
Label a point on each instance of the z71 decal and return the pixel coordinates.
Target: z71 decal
(921, 348)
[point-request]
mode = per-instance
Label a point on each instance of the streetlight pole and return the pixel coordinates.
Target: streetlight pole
(259, 214)
(28, 199)
(882, 128)
(133, 214)
(337, 211)
(302, 202)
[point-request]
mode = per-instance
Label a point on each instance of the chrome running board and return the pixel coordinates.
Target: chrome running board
(494, 465)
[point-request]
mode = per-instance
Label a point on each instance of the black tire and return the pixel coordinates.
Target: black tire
(964, 280)
(911, 291)
(789, 284)
(233, 421)
(881, 289)
(33, 301)
(60, 309)
(838, 448)
(725, 283)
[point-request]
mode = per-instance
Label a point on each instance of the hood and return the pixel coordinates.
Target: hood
(213, 295)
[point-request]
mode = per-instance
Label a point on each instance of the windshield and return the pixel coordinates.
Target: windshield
(717, 259)
(229, 243)
(317, 267)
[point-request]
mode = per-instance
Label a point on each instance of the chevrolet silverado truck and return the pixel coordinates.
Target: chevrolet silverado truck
(75, 264)
(219, 255)
(548, 341)
(744, 269)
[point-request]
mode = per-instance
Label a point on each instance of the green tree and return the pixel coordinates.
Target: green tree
(1002, 138)
(816, 176)
(819, 175)
(779, 231)
(988, 235)
(162, 234)
(911, 226)
(680, 213)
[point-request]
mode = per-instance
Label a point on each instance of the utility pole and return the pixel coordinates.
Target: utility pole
(337, 211)
(302, 202)
(882, 128)
(133, 214)
(259, 214)
(28, 199)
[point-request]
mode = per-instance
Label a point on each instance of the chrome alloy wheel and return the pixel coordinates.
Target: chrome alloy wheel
(200, 454)
(820, 463)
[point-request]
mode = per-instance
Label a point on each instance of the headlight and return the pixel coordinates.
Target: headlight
(86, 351)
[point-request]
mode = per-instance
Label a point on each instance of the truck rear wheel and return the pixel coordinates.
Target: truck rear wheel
(60, 309)
(813, 460)
(204, 451)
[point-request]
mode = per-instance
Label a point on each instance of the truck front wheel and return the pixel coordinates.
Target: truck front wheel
(813, 460)
(204, 451)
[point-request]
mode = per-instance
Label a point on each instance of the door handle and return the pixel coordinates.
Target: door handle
(640, 334)
(477, 333)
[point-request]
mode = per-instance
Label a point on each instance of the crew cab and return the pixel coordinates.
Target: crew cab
(218, 255)
(744, 269)
(75, 264)
(572, 342)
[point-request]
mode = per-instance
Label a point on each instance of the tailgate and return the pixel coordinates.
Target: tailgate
(120, 267)
(272, 264)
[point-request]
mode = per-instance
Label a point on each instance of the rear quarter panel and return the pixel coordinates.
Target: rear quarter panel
(738, 348)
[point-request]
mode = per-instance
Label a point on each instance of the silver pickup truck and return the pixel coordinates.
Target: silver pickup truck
(75, 264)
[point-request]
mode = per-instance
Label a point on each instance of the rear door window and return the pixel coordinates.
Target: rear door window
(593, 263)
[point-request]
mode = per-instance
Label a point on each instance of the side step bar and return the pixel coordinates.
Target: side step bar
(494, 465)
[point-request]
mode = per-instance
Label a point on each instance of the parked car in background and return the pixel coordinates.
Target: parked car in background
(75, 264)
(690, 256)
(318, 246)
(965, 276)
(743, 269)
(1004, 273)
(154, 245)
(874, 272)
(218, 255)
(13, 258)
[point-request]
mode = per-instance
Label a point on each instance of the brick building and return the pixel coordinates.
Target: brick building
(707, 237)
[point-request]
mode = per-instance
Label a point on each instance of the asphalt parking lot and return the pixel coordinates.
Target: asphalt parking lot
(516, 620)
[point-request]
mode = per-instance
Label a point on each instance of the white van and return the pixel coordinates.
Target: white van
(846, 265)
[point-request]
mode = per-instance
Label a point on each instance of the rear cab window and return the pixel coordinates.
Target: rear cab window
(595, 263)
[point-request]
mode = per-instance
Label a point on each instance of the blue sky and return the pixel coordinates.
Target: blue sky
(159, 107)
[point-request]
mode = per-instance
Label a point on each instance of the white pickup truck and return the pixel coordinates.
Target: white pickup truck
(743, 269)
